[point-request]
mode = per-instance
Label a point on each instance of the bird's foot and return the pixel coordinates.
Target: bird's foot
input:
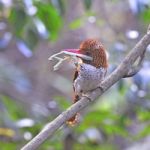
(74, 120)
(87, 95)
(101, 88)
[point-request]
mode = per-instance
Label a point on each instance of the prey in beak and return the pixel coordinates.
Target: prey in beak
(72, 54)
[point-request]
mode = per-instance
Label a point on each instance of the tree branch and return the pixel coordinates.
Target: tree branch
(135, 69)
(123, 70)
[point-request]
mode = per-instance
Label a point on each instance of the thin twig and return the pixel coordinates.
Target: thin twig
(116, 75)
(135, 69)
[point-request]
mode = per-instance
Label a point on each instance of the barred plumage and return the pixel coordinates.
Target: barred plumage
(89, 74)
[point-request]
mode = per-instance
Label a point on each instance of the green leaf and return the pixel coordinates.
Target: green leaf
(59, 4)
(114, 129)
(63, 103)
(87, 4)
(96, 119)
(31, 37)
(122, 88)
(145, 132)
(143, 115)
(77, 23)
(145, 15)
(15, 109)
(89, 146)
(18, 20)
(50, 17)
(8, 145)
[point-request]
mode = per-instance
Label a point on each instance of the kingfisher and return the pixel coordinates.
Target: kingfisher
(91, 65)
(88, 72)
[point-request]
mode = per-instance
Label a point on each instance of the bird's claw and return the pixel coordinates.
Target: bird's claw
(86, 95)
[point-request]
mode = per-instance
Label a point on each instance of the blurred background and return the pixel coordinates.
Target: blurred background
(32, 94)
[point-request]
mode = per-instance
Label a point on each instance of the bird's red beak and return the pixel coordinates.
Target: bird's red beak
(76, 51)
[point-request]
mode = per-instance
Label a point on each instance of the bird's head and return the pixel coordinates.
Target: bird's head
(93, 49)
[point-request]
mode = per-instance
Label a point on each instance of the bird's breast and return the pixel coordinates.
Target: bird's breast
(89, 77)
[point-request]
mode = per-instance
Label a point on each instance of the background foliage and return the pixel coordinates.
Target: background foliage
(31, 94)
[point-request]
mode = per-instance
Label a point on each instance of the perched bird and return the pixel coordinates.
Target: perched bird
(88, 73)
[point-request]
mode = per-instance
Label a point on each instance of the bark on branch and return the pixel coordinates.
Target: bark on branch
(125, 69)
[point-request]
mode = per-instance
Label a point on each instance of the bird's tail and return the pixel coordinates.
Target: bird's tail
(73, 120)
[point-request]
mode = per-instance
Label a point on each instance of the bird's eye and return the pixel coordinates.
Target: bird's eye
(87, 53)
